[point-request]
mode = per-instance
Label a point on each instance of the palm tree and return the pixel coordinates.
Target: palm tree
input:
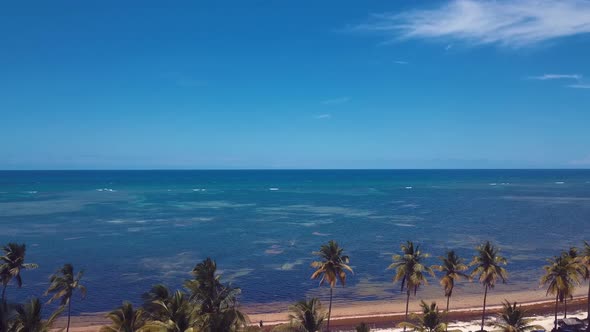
(217, 303)
(13, 262)
(576, 262)
(176, 314)
(431, 319)
(585, 260)
(513, 318)
(158, 293)
(560, 278)
(63, 284)
(410, 270)
(125, 319)
(488, 270)
(331, 268)
(453, 268)
(28, 317)
(307, 316)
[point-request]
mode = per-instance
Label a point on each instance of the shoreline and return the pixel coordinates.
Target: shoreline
(382, 314)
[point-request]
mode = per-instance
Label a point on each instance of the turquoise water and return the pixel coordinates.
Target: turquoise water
(132, 229)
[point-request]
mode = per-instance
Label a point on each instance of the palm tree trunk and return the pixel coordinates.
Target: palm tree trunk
(565, 307)
(69, 312)
(556, 307)
(588, 304)
(407, 306)
(448, 300)
(330, 308)
(4, 293)
(483, 313)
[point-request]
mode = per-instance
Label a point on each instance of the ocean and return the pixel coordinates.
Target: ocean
(131, 229)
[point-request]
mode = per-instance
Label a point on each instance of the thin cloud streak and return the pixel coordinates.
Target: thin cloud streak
(579, 86)
(335, 101)
(323, 116)
(546, 77)
(399, 62)
(505, 23)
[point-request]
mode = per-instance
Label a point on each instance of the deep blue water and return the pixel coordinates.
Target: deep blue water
(132, 229)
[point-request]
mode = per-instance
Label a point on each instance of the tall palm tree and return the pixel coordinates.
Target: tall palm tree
(125, 319)
(488, 269)
(560, 278)
(13, 262)
(431, 319)
(585, 260)
(28, 317)
(410, 270)
(307, 316)
(331, 268)
(63, 284)
(453, 268)
(576, 263)
(513, 318)
(217, 303)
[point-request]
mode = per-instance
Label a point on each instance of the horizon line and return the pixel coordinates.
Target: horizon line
(288, 169)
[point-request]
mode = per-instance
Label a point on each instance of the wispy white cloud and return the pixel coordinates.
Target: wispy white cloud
(323, 116)
(581, 162)
(503, 22)
(579, 86)
(399, 62)
(334, 101)
(546, 77)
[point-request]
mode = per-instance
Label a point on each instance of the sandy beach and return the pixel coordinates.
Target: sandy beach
(385, 315)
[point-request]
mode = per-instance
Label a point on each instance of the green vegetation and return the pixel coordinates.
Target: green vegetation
(331, 269)
(431, 319)
(63, 284)
(453, 269)
(410, 270)
(561, 276)
(488, 269)
(207, 304)
(513, 318)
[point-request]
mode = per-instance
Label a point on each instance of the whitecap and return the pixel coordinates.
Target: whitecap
(559, 182)
(320, 234)
(273, 251)
(273, 189)
(31, 192)
(116, 221)
(73, 238)
(408, 187)
(493, 184)
(404, 225)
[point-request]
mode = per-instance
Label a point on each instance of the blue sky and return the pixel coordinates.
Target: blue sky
(294, 84)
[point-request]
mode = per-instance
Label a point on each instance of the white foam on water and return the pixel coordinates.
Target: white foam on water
(559, 182)
(31, 192)
(408, 187)
(106, 189)
(404, 225)
(273, 189)
(493, 184)
(116, 221)
(73, 238)
(320, 234)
